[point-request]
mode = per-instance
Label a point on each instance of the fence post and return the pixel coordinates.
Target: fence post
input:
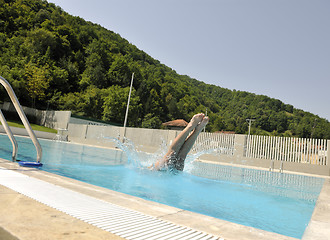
(328, 151)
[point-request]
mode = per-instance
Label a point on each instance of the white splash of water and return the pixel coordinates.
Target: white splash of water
(135, 157)
(140, 159)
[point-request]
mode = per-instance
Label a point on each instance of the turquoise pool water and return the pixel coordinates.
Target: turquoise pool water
(280, 203)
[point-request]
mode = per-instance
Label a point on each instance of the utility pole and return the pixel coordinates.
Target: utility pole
(128, 100)
(249, 121)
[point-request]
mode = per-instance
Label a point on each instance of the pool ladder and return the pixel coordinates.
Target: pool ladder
(271, 168)
(23, 118)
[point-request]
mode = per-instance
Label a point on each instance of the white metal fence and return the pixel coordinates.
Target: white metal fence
(220, 142)
(302, 150)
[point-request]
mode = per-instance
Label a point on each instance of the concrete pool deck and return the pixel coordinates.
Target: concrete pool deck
(24, 218)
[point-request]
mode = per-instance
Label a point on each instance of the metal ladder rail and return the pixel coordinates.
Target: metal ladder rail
(271, 168)
(10, 135)
(22, 116)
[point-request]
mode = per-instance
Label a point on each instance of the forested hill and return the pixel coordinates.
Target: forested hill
(55, 60)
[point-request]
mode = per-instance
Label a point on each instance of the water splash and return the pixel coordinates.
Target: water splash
(127, 146)
(189, 162)
(140, 159)
(135, 157)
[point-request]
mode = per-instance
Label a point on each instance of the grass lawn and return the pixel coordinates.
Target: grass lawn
(34, 126)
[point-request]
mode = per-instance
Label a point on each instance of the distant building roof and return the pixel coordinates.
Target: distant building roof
(176, 123)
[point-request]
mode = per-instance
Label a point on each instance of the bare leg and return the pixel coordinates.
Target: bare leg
(181, 138)
(188, 144)
(179, 141)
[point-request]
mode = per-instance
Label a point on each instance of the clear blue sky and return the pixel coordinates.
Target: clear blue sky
(278, 48)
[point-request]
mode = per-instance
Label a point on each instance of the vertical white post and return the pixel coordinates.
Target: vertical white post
(320, 148)
(257, 146)
(328, 153)
(128, 100)
(305, 149)
(293, 149)
(284, 152)
(301, 142)
(282, 148)
(264, 147)
(278, 148)
(285, 149)
(254, 140)
(309, 149)
(274, 147)
(267, 148)
(295, 153)
(315, 144)
(317, 150)
(271, 147)
(262, 141)
(323, 144)
(290, 152)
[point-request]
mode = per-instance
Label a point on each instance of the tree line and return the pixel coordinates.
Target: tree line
(58, 61)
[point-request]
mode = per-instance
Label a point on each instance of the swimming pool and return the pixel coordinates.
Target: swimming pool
(280, 203)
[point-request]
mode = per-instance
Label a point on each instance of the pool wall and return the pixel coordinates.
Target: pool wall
(233, 147)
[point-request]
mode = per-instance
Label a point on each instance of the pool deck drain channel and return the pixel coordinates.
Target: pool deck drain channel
(118, 220)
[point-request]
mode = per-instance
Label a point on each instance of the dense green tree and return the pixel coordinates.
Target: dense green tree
(150, 121)
(53, 59)
(115, 103)
(37, 82)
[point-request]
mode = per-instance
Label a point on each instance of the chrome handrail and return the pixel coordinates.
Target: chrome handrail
(271, 168)
(22, 116)
(10, 135)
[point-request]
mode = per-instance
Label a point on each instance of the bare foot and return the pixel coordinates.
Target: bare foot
(202, 124)
(196, 119)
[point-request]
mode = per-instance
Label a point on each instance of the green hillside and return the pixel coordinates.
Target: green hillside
(55, 60)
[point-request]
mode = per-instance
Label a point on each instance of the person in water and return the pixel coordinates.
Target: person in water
(177, 153)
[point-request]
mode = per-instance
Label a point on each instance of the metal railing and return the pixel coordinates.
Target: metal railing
(24, 120)
(10, 135)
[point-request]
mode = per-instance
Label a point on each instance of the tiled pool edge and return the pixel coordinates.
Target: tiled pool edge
(319, 225)
(26, 219)
(199, 222)
(110, 217)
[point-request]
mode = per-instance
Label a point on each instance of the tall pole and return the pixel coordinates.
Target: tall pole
(128, 100)
(249, 120)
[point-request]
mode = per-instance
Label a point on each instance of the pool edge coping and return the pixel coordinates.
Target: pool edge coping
(318, 226)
